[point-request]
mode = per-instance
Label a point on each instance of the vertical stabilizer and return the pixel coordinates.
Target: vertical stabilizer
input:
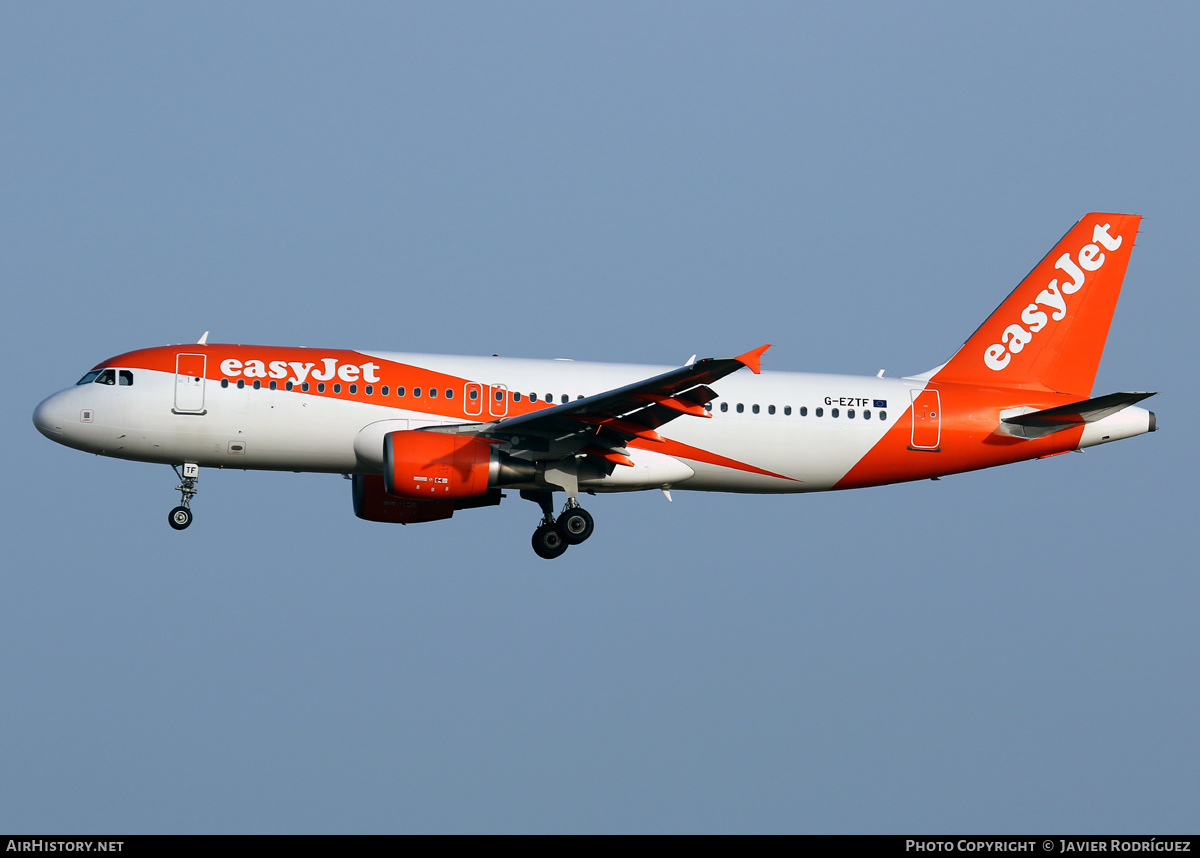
(1050, 332)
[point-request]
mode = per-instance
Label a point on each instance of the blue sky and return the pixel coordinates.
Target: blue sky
(1010, 650)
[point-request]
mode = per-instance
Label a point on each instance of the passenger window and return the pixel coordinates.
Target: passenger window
(257, 384)
(516, 396)
(242, 383)
(849, 413)
(883, 415)
(274, 385)
(353, 388)
(740, 408)
(866, 415)
(770, 409)
(803, 410)
(107, 377)
(320, 386)
(754, 408)
(417, 392)
(533, 397)
(399, 391)
(126, 378)
(499, 395)
(565, 399)
(383, 391)
(89, 377)
(820, 412)
(833, 413)
(474, 394)
(337, 388)
(369, 390)
(449, 393)
(287, 385)
(787, 410)
(224, 382)
(724, 406)
(304, 386)
(550, 397)
(433, 393)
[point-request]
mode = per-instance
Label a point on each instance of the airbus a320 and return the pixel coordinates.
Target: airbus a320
(423, 436)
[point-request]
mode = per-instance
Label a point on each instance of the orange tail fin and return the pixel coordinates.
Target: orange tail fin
(1050, 332)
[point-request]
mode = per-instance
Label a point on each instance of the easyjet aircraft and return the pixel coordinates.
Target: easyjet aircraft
(422, 436)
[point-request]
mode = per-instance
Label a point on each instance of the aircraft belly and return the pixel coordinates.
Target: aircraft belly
(650, 470)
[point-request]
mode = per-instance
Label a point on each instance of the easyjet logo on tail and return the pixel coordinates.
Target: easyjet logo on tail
(1052, 300)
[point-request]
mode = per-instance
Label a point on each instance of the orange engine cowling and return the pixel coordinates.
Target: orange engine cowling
(437, 466)
(372, 503)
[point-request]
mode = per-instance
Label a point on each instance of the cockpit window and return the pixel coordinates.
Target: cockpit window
(107, 376)
(89, 377)
(125, 377)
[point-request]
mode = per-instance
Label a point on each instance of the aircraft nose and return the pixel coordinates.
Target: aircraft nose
(47, 417)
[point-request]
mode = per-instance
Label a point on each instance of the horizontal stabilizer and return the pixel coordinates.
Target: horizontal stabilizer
(1035, 424)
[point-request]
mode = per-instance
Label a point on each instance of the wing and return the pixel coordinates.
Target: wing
(600, 425)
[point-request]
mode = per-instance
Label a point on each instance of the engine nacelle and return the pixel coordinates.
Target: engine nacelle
(373, 503)
(440, 466)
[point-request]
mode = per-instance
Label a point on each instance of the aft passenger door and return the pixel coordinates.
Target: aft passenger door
(189, 383)
(926, 419)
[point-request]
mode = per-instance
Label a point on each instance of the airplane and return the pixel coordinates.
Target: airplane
(422, 436)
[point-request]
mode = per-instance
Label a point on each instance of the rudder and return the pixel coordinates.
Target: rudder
(1049, 333)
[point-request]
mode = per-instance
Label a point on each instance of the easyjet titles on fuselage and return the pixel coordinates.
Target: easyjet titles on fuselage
(300, 372)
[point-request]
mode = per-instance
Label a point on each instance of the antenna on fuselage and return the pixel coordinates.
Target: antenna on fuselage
(203, 341)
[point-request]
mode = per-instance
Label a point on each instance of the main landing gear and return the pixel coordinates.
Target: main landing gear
(554, 536)
(181, 516)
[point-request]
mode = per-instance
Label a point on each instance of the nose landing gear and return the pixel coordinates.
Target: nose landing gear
(554, 536)
(181, 516)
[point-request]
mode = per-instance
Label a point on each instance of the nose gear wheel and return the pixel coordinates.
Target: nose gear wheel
(181, 516)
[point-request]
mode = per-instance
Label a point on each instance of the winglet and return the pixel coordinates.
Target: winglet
(754, 359)
(203, 341)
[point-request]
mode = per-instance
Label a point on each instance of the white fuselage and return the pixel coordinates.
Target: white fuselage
(768, 421)
(329, 411)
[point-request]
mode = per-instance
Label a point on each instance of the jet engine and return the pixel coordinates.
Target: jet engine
(372, 503)
(440, 466)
